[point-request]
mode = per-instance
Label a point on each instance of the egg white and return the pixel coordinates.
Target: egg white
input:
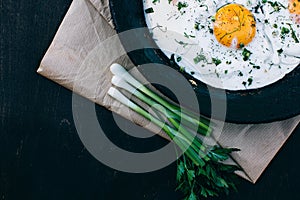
(273, 54)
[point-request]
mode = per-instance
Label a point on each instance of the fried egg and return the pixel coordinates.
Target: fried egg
(234, 45)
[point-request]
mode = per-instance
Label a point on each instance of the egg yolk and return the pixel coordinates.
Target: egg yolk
(294, 7)
(234, 26)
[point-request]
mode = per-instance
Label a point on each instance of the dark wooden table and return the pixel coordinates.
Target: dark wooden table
(41, 155)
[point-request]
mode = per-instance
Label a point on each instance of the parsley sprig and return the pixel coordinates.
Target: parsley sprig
(213, 179)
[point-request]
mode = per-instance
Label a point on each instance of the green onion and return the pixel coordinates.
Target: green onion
(176, 136)
(118, 70)
(173, 118)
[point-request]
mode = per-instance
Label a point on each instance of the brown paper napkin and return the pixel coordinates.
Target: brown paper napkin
(85, 26)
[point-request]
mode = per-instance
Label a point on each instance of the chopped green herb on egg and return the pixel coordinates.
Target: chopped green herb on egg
(216, 61)
(182, 5)
(279, 51)
(276, 6)
(178, 59)
(149, 10)
(182, 69)
(250, 80)
(188, 36)
(184, 44)
(199, 58)
(285, 30)
(246, 54)
(294, 36)
(196, 26)
(213, 18)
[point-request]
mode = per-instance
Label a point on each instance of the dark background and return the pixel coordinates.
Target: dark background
(41, 155)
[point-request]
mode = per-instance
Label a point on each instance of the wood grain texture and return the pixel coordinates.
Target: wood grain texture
(41, 154)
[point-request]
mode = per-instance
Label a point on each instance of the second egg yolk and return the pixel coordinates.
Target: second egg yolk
(294, 7)
(234, 26)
